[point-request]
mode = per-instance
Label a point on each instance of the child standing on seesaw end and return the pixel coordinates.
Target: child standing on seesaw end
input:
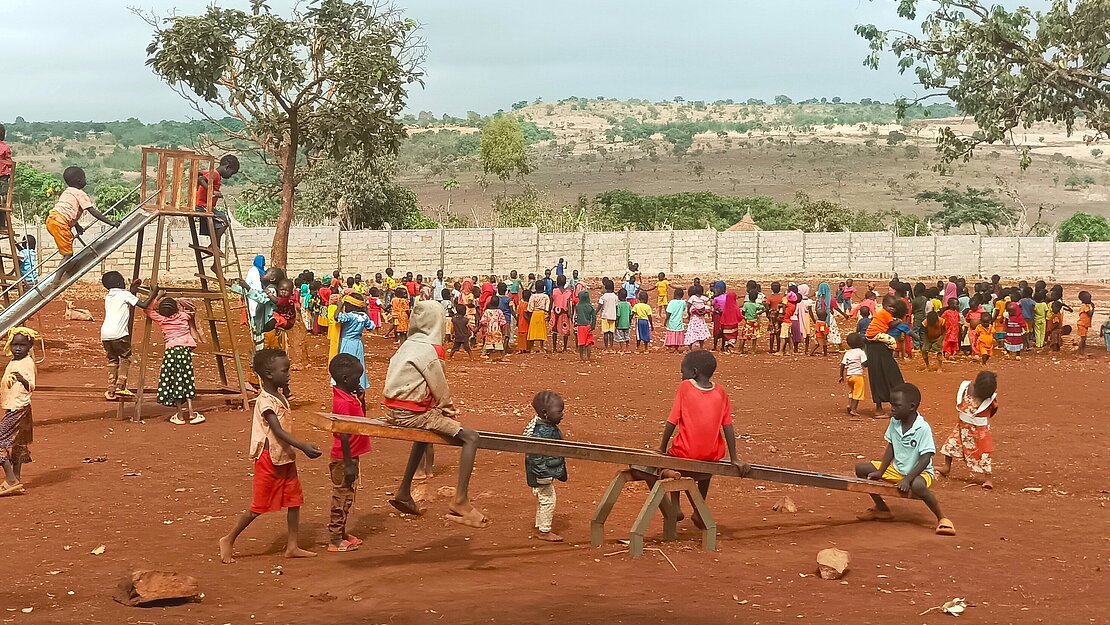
(16, 425)
(176, 385)
(585, 320)
(416, 395)
(542, 471)
(976, 403)
(115, 332)
(348, 398)
(908, 459)
(272, 449)
(65, 218)
(851, 371)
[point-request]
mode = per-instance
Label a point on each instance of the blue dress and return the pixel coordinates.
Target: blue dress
(351, 326)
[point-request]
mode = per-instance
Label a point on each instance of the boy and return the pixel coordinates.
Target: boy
(542, 471)
(460, 331)
(908, 459)
(607, 311)
(644, 324)
(115, 332)
(16, 424)
(29, 260)
(416, 395)
(276, 484)
(347, 399)
(864, 320)
(624, 321)
(851, 370)
(63, 220)
(560, 268)
(208, 191)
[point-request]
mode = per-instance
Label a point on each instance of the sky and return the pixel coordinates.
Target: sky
(482, 55)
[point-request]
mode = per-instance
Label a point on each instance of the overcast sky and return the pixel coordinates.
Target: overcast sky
(84, 60)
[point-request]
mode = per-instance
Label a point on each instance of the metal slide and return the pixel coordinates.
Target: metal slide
(81, 263)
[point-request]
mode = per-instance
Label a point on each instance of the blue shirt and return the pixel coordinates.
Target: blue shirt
(897, 330)
(28, 261)
(1027, 304)
(861, 327)
(549, 286)
(909, 445)
(505, 308)
(560, 268)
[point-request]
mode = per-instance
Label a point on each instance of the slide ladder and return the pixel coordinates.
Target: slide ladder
(9, 253)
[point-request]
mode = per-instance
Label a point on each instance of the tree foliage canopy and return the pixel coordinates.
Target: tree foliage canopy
(1006, 68)
(502, 149)
(1084, 227)
(969, 207)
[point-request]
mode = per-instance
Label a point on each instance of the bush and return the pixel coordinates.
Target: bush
(116, 201)
(1079, 181)
(894, 137)
(1084, 227)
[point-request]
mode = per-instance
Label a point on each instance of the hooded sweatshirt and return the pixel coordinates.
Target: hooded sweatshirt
(415, 380)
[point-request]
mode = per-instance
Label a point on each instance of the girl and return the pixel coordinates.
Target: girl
(717, 306)
(176, 386)
(522, 321)
(305, 289)
(539, 306)
(802, 323)
(1015, 330)
(333, 325)
(493, 338)
(821, 333)
(786, 332)
(374, 306)
(1040, 318)
(585, 319)
(883, 371)
(986, 337)
(320, 308)
(560, 313)
(254, 280)
(730, 322)
(749, 329)
(673, 318)
(976, 403)
(352, 322)
(1054, 327)
(697, 309)
(16, 426)
(400, 308)
(1086, 317)
(951, 318)
(825, 303)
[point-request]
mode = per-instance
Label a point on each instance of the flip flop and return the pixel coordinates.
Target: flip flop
(871, 514)
(945, 528)
(342, 547)
(11, 489)
(197, 419)
(354, 540)
(178, 420)
(407, 507)
(472, 518)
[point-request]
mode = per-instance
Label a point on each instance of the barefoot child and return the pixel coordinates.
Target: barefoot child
(623, 333)
(16, 426)
(1086, 318)
(176, 385)
(642, 313)
(971, 438)
(64, 219)
(908, 459)
(416, 395)
(851, 371)
(585, 320)
(115, 332)
(542, 471)
(272, 449)
(347, 399)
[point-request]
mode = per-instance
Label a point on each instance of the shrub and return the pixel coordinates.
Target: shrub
(1083, 227)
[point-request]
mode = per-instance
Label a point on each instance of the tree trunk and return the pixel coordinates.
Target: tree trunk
(279, 251)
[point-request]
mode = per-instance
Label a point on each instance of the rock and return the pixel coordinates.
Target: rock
(832, 563)
(157, 587)
(785, 504)
(446, 491)
(420, 493)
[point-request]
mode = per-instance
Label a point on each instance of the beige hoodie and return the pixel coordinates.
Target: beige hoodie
(416, 380)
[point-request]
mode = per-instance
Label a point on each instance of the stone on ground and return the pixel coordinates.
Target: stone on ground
(832, 563)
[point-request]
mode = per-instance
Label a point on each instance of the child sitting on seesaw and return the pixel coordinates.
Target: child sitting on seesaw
(416, 395)
(908, 459)
(542, 471)
(276, 484)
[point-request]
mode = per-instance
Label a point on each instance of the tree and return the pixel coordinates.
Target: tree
(1084, 227)
(502, 150)
(357, 192)
(974, 207)
(1006, 68)
(782, 99)
(328, 81)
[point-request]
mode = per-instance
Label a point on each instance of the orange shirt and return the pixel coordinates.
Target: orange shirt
(880, 323)
(986, 337)
(1086, 312)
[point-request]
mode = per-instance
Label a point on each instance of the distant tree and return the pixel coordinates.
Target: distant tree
(679, 99)
(970, 207)
(329, 80)
(1084, 227)
(1006, 68)
(894, 137)
(519, 105)
(837, 100)
(782, 99)
(502, 151)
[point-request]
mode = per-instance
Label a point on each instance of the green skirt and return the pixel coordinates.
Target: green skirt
(175, 382)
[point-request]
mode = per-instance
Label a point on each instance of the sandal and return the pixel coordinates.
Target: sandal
(407, 507)
(873, 514)
(124, 392)
(471, 518)
(354, 540)
(197, 419)
(177, 419)
(110, 395)
(11, 489)
(945, 528)
(342, 547)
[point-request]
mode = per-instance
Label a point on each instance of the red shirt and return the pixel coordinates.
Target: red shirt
(773, 301)
(214, 180)
(410, 286)
(699, 416)
(5, 159)
(344, 403)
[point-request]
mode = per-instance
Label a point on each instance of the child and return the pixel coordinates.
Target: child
(908, 459)
(986, 337)
(460, 331)
(971, 438)
(661, 292)
(607, 311)
(416, 395)
(353, 321)
(697, 308)
(400, 310)
(951, 318)
(29, 260)
(522, 321)
(64, 219)
(851, 371)
(374, 306)
(514, 287)
(1015, 330)
(347, 399)
(774, 326)
(176, 386)
(115, 332)
(493, 337)
(206, 181)
(702, 414)
(848, 291)
(1040, 319)
(674, 320)
(864, 320)
(16, 425)
(539, 306)
(933, 332)
(622, 336)
(275, 484)
(6, 170)
(749, 328)
(1086, 318)
(542, 471)
(644, 325)
(821, 333)
(731, 318)
(585, 320)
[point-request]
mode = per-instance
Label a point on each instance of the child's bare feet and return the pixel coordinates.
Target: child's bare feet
(853, 413)
(988, 484)
(943, 471)
(550, 537)
(297, 552)
(227, 550)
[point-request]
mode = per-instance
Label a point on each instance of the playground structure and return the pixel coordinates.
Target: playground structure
(664, 495)
(167, 190)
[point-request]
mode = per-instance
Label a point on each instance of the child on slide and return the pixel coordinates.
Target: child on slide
(416, 395)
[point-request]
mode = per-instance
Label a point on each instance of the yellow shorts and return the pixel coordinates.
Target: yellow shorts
(784, 330)
(62, 233)
(433, 420)
(893, 476)
(855, 387)
(608, 325)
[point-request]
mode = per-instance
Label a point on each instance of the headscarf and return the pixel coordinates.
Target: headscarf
(354, 300)
(260, 263)
(720, 285)
(949, 293)
(16, 331)
(584, 311)
(824, 295)
(730, 314)
(324, 293)
(254, 281)
(803, 290)
(467, 286)
(793, 297)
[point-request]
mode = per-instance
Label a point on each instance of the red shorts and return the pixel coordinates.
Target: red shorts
(275, 487)
(585, 336)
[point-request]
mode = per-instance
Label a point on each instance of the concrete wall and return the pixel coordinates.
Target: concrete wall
(734, 254)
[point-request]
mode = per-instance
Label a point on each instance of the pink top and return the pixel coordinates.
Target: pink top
(175, 328)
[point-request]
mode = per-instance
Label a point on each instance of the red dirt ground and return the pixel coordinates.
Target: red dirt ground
(165, 495)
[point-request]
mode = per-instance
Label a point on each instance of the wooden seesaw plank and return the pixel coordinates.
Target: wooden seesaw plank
(515, 443)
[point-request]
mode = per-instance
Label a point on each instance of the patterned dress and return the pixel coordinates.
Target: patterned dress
(971, 438)
(696, 328)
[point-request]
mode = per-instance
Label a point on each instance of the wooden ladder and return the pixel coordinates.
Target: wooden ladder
(10, 273)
